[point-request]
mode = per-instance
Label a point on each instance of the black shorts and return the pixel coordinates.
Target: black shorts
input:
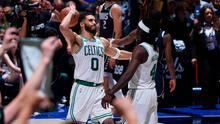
(106, 65)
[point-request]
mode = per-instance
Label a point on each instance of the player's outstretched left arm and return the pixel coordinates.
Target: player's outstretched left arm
(130, 38)
(114, 52)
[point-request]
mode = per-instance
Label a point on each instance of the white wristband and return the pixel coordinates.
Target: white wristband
(142, 26)
(117, 54)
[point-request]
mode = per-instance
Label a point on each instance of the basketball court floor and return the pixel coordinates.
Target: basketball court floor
(175, 115)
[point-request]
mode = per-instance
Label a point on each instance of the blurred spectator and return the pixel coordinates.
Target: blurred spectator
(59, 4)
(216, 5)
(134, 13)
(77, 2)
(206, 40)
(205, 3)
(3, 22)
(11, 75)
(180, 28)
(6, 45)
(125, 20)
(25, 97)
(22, 19)
(168, 12)
(171, 9)
(61, 69)
(11, 59)
(37, 17)
(88, 5)
(198, 4)
(6, 4)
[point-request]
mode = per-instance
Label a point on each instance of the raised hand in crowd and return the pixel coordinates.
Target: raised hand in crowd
(39, 101)
(16, 107)
(10, 35)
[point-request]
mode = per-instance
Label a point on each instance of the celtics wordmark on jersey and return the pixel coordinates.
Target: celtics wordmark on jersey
(89, 61)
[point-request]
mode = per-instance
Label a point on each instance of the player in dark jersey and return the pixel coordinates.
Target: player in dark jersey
(164, 44)
(110, 23)
(110, 20)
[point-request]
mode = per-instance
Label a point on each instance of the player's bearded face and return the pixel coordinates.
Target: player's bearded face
(91, 29)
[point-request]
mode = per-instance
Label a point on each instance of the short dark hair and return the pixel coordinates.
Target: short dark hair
(83, 15)
(181, 5)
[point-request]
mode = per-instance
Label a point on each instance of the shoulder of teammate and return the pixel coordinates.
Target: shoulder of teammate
(139, 54)
(116, 10)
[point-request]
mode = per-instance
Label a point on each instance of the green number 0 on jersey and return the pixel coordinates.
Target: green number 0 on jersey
(94, 64)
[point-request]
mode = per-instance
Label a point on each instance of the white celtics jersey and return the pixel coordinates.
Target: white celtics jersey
(144, 76)
(89, 60)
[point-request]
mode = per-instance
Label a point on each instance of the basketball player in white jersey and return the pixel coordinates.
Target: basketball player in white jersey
(88, 52)
(141, 72)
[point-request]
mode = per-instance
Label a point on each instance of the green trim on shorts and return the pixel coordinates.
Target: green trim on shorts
(102, 116)
(86, 83)
(73, 101)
